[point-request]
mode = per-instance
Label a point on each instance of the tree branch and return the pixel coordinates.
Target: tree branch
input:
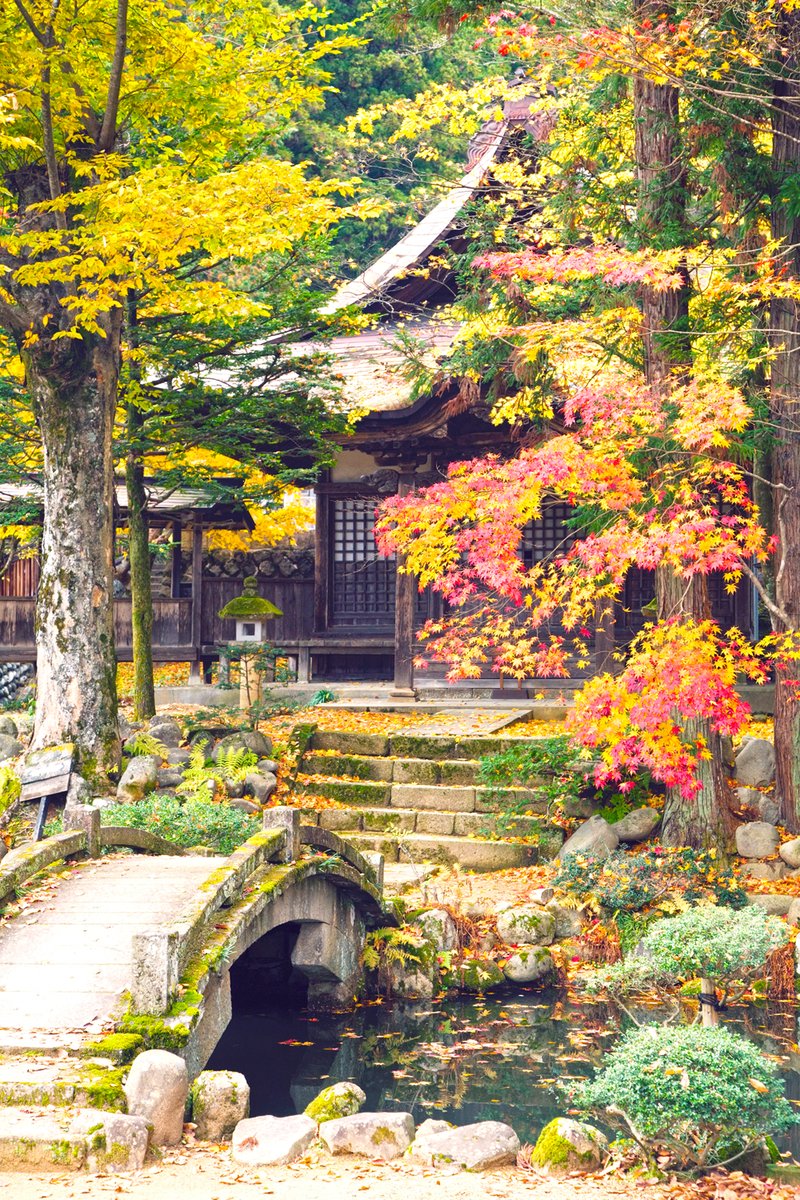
(774, 609)
(108, 131)
(29, 21)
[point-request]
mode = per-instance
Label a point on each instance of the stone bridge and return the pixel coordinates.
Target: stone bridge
(147, 943)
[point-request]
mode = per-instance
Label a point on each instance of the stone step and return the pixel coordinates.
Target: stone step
(470, 854)
(398, 821)
(445, 799)
(409, 745)
(398, 770)
(356, 794)
(365, 792)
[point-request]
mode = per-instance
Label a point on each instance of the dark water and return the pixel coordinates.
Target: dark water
(463, 1060)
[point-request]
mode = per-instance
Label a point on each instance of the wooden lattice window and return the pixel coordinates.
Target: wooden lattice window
(547, 536)
(363, 582)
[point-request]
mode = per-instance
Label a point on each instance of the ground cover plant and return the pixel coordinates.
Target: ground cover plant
(188, 824)
(690, 1097)
(625, 881)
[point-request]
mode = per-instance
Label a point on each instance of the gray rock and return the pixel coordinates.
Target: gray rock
(793, 914)
(432, 1126)
(541, 896)
(595, 837)
(244, 805)
(168, 777)
(260, 786)
(234, 788)
(267, 766)
(9, 747)
(790, 853)
(776, 905)
(755, 763)
(764, 803)
(8, 727)
(757, 839)
(375, 1135)
(410, 982)
(529, 964)
(439, 928)
(118, 1141)
(178, 757)
(249, 739)
(566, 1145)
(79, 791)
(157, 1088)
(139, 778)
(220, 1100)
(475, 1147)
(568, 920)
(272, 1141)
(167, 730)
(526, 924)
(771, 871)
(638, 825)
(343, 1099)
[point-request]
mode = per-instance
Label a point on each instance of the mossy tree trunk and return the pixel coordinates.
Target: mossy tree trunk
(73, 385)
(661, 220)
(144, 703)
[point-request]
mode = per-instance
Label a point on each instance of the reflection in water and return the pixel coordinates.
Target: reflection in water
(465, 1060)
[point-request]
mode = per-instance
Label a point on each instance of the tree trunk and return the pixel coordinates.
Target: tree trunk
(784, 402)
(73, 384)
(661, 219)
(144, 701)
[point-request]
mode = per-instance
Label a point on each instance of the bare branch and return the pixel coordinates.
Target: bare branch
(774, 609)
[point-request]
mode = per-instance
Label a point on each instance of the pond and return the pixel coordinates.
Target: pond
(471, 1059)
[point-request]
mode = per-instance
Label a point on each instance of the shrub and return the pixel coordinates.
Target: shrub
(195, 823)
(9, 787)
(723, 944)
(688, 1095)
(626, 882)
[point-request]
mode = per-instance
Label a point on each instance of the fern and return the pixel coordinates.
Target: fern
(198, 775)
(147, 743)
(235, 763)
(385, 948)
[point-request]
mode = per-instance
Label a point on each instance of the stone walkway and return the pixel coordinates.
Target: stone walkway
(65, 960)
(471, 722)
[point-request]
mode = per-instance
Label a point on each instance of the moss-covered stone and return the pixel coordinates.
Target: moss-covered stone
(565, 1145)
(119, 1047)
(339, 1100)
(479, 975)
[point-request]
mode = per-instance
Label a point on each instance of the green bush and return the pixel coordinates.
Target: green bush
(193, 823)
(688, 1094)
(722, 944)
(9, 787)
(626, 882)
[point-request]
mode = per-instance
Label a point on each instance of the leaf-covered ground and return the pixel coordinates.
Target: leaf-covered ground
(207, 1173)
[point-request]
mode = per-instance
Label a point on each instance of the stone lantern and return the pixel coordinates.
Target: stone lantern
(251, 613)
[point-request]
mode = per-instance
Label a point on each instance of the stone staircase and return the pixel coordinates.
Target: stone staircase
(418, 799)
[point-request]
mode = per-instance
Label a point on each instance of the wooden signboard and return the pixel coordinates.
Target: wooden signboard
(46, 774)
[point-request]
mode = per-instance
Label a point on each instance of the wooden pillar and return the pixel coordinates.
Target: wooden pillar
(322, 583)
(404, 596)
(175, 560)
(197, 596)
(604, 636)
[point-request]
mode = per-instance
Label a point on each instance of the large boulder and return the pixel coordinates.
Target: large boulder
(259, 785)
(439, 928)
(138, 779)
(272, 1141)
(757, 839)
(565, 1145)
(157, 1089)
(9, 747)
(410, 981)
(8, 727)
(178, 757)
(755, 763)
(247, 739)
(220, 1100)
(595, 837)
(764, 803)
(115, 1141)
(338, 1100)
(475, 1147)
(526, 924)
(638, 825)
(529, 964)
(375, 1135)
(479, 974)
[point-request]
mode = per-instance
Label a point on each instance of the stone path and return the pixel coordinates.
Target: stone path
(474, 722)
(65, 959)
